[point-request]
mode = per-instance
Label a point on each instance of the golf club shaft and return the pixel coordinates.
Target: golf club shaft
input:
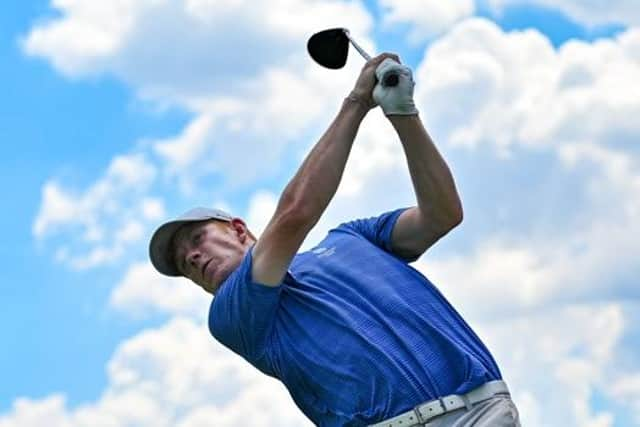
(391, 79)
(360, 50)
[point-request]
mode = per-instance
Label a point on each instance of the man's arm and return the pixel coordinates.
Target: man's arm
(439, 207)
(309, 192)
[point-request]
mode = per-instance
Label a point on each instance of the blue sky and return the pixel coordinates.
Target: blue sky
(54, 325)
(119, 142)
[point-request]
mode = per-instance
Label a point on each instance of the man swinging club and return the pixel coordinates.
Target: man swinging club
(356, 335)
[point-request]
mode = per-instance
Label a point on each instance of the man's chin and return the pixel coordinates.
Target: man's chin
(215, 285)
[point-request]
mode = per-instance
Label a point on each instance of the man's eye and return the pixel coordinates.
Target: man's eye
(198, 237)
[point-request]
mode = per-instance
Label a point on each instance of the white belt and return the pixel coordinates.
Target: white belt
(426, 411)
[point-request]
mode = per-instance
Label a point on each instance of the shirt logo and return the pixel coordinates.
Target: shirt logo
(324, 252)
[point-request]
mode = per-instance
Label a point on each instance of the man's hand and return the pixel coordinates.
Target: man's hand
(395, 100)
(363, 90)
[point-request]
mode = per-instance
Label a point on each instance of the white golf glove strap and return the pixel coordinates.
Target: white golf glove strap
(395, 100)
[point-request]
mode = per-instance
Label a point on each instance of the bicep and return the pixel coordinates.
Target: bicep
(414, 233)
(277, 246)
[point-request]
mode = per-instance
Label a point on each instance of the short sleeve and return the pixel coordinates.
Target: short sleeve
(242, 313)
(377, 229)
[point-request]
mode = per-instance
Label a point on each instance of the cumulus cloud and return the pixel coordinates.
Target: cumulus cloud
(105, 219)
(143, 291)
(172, 376)
(557, 359)
(125, 173)
(262, 206)
(425, 17)
(184, 50)
(276, 111)
(595, 256)
(481, 86)
(626, 389)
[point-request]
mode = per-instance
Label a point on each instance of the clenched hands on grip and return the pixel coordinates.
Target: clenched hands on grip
(370, 91)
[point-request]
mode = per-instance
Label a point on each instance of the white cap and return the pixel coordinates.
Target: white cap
(160, 244)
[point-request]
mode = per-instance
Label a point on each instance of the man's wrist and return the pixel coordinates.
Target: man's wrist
(358, 101)
(404, 118)
(400, 120)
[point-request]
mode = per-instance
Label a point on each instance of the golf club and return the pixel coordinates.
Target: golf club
(330, 49)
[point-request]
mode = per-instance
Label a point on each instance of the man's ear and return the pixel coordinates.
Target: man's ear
(240, 228)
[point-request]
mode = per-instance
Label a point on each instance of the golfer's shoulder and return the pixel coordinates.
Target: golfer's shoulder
(375, 227)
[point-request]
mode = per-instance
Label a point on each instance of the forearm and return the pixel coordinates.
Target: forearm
(433, 182)
(317, 179)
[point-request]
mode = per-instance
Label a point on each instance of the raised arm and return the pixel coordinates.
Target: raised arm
(309, 192)
(439, 207)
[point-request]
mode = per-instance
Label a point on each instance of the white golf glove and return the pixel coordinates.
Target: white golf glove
(395, 100)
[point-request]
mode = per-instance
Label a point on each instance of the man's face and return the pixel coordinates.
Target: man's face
(207, 252)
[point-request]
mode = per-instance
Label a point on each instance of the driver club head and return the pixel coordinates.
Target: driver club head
(329, 48)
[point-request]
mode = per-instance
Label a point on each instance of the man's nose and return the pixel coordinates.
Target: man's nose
(194, 258)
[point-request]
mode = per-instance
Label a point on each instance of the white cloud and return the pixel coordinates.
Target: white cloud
(626, 389)
(556, 359)
(172, 376)
(96, 256)
(106, 219)
(511, 92)
(273, 112)
(58, 208)
(627, 386)
(33, 413)
(187, 147)
(426, 17)
(262, 206)
(482, 87)
(594, 257)
(61, 207)
(589, 12)
(376, 151)
(144, 291)
(186, 50)
(82, 43)
(152, 209)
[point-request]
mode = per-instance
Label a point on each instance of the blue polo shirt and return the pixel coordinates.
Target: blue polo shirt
(354, 332)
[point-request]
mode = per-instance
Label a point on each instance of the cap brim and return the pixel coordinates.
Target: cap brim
(160, 250)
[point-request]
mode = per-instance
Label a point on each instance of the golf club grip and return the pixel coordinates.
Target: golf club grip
(390, 79)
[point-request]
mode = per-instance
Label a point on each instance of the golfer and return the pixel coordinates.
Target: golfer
(356, 334)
